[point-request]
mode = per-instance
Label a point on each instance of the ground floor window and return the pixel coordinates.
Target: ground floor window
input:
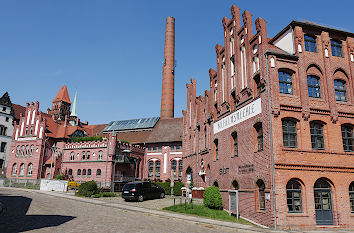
(261, 194)
(150, 169)
(351, 196)
(293, 196)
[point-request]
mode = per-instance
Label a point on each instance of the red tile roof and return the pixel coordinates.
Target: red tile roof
(167, 130)
(18, 109)
(63, 95)
(93, 130)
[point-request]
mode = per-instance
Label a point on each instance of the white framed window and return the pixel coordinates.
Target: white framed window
(29, 170)
(72, 155)
(22, 170)
(14, 169)
(100, 155)
(32, 149)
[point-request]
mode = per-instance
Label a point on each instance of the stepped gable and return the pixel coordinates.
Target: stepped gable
(63, 95)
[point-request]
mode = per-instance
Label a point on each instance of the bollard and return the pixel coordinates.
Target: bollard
(174, 203)
(192, 203)
(180, 201)
(185, 204)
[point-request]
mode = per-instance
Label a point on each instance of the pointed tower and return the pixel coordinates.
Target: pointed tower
(73, 110)
(168, 76)
(61, 104)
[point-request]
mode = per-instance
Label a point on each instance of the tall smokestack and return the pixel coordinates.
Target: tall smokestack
(168, 76)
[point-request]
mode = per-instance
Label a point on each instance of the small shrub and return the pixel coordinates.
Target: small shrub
(59, 177)
(108, 194)
(97, 195)
(88, 189)
(212, 198)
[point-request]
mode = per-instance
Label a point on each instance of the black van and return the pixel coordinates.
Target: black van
(140, 191)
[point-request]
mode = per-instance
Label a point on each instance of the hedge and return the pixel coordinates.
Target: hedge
(167, 187)
(212, 198)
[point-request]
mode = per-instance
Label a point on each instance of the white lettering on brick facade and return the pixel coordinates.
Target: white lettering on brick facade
(248, 111)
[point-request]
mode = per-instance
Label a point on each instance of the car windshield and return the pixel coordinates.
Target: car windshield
(128, 186)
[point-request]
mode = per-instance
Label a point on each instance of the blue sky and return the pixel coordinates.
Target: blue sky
(111, 52)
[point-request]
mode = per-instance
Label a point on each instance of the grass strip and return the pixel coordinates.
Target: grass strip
(203, 211)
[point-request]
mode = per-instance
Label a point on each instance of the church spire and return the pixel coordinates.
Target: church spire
(73, 111)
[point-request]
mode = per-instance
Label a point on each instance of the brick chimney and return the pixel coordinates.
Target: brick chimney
(168, 82)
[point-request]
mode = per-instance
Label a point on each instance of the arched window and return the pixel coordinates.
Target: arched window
(88, 155)
(18, 152)
(14, 169)
(293, 196)
(89, 172)
(216, 184)
(22, 150)
(340, 90)
(22, 170)
(150, 169)
(180, 169)
(32, 149)
(235, 185)
(317, 138)
(285, 82)
(29, 170)
(70, 172)
(313, 86)
(100, 155)
(205, 137)
(83, 155)
(174, 168)
(351, 196)
(27, 151)
(348, 137)
(84, 172)
(72, 155)
(234, 144)
(79, 172)
(259, 136)
(157, 169)
(261, 194)
(289, 133)
(98, 173)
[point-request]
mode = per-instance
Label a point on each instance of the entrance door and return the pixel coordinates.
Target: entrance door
(323, 203)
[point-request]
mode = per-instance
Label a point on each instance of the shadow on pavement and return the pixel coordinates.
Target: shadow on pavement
(13, 216)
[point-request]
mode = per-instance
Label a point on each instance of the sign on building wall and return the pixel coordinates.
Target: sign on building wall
(244, 113)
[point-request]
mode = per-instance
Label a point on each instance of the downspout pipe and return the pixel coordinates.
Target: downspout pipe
(271, 144)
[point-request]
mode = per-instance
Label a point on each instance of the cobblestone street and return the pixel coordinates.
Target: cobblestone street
(27, 210)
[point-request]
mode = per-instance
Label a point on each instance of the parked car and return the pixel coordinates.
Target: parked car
(140, 191)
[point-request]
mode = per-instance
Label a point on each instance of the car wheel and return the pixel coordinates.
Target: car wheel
(141, 198)
(162, 195)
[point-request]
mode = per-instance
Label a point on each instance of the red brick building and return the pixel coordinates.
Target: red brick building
(103, 161)
(39, 138)
(277, 123)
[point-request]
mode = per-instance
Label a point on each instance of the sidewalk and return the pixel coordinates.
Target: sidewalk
(167, 214)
